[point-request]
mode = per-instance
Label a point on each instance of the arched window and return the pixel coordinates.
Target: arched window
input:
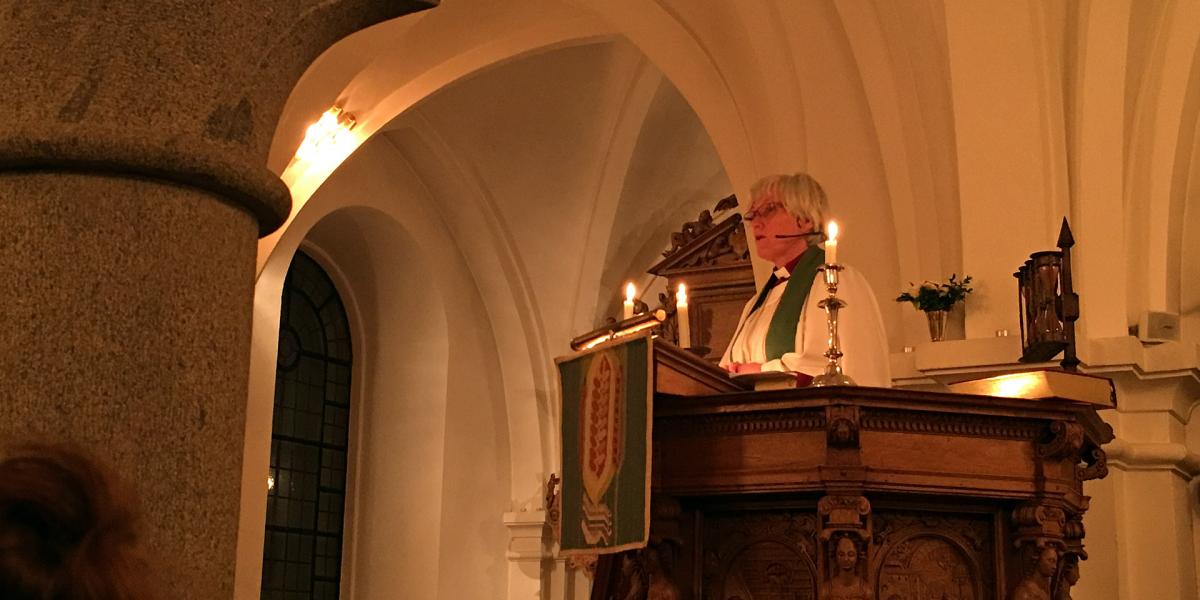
(302, 556)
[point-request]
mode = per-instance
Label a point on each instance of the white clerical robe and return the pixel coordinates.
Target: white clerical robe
(861, 336)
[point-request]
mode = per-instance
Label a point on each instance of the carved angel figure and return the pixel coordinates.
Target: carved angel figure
(661, 585)
(1068, 578)
(645, 577)
(1036, 585)
(846, 583)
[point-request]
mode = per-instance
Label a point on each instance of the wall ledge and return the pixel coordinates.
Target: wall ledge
(934, 364)
(529, 536)
(1131, 456)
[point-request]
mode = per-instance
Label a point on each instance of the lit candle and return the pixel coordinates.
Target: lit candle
(627, 308)
(831, 243)
(681, 317)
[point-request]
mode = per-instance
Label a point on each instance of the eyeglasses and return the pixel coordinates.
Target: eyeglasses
(762, 210)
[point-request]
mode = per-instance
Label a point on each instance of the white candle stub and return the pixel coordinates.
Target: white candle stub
(627, 307)
(681, 317)
(831, 244)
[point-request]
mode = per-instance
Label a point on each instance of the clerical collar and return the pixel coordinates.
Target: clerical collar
(782, 273)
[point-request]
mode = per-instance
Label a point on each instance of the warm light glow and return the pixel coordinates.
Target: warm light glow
(328, 139)
(617, 334)
(630, 292)
(636, 328)
(1017, 385)
(326, 144)
(270, 482)
(660, 315)
(596, 342)
(832, 229)
(681, 295)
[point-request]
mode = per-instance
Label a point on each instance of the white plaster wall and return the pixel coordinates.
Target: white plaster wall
(400, 456)
(435, 464)
(540, 163)
(673, 173)
(430, 468)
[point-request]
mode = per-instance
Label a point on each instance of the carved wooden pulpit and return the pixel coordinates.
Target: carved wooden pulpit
(855, 492)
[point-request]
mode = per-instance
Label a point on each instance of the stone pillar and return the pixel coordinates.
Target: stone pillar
(1140, 529)
(1154, 509)
(529, 554)
(133, 144)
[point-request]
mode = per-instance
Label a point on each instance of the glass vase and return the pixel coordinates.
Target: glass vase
(937, 324)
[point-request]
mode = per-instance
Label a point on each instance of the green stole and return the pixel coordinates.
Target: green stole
(781, 334)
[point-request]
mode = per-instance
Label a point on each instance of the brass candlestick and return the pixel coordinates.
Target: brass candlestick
(833, 374)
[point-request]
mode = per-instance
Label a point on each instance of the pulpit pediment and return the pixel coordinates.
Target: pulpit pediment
(706, 242)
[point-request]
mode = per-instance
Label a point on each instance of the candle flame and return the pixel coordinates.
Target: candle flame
(681, 295)
(630, 292)
(832, 228)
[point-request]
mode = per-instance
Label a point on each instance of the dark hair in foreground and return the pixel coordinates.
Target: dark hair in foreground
(67, 528)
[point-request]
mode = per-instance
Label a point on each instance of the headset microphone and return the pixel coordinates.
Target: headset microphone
(816, 234)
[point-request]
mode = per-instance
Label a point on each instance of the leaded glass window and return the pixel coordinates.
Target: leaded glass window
(307, 481)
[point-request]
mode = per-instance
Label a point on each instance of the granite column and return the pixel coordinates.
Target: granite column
(133, 187)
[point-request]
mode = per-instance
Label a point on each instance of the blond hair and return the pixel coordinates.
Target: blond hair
(799, 193)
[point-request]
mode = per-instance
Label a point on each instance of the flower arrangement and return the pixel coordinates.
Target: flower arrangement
(930, 296)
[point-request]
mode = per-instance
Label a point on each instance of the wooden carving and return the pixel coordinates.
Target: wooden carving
(744, 423)
(850, 493)
(842, 431)
(1066, 440)
(584, 562)
(1068, 576)
(553, 508)
(1095, 466)
(661, 584)
(1043, 530)
(727, 245)
(670, 325)
(760, 556)
(633, 584)
(935, 556)
(712, 257)
(1035, 585)
(847, 579)
(844, 514)
(1039, 523)
(645, 575)
(1073, 536)
(956, 425)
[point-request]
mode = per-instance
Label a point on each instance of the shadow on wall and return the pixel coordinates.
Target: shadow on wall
(426, 483)
(402, 358)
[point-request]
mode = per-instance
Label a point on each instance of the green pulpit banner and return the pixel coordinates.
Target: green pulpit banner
(607, 399)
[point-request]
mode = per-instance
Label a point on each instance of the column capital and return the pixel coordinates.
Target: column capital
(140, 154)
(186, 94)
